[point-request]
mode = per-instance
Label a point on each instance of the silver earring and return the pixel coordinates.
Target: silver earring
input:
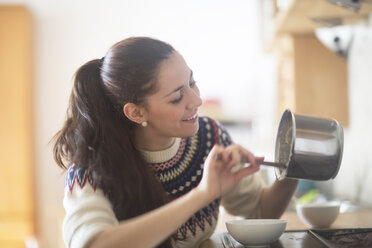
(144, 124)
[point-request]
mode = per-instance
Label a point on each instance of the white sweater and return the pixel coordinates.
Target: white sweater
(88, 210)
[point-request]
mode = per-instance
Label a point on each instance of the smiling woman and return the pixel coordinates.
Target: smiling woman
(172, 110)
(136, 153)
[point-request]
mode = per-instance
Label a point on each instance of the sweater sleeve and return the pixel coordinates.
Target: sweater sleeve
(88, 211)
(244, 198)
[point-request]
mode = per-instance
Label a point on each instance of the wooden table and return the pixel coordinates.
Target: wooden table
(355, 219)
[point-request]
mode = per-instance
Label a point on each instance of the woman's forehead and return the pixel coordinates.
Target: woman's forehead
(173, 73)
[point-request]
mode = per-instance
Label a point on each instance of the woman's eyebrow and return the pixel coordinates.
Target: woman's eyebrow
(180, 87)
(175, 90)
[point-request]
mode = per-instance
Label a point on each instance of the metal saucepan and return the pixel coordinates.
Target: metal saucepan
(310, 147)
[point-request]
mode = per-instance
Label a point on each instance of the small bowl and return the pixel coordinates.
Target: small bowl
(256, 232)
(318, 215)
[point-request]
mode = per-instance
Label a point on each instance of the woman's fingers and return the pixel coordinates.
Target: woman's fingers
(219, 174)
(249, 157)
(235, 158)
(240, 174)
(234, 155)
(226, 156)
(259, 160)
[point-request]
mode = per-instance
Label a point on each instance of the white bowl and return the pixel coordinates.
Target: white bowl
(318, 215)
(256, 232)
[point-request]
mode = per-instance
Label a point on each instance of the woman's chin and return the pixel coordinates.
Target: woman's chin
(189, 131)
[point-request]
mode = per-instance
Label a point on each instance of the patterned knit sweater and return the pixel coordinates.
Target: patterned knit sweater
(180, 169)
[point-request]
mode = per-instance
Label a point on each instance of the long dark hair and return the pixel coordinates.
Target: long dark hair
(98, 137)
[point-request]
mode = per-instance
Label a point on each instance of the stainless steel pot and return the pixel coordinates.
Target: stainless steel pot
(310, 147)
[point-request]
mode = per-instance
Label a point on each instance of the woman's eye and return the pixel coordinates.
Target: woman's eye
(192, 84)
(177, 100)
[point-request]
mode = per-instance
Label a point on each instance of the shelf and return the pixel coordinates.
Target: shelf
(298, 17)
(312, 80)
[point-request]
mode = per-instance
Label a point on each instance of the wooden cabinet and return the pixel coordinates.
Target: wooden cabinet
(16, 128)
(304, 16)
(312, 80)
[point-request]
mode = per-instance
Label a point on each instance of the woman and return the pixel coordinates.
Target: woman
(144, 170)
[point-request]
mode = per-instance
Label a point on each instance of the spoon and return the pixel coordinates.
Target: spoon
(218, 157)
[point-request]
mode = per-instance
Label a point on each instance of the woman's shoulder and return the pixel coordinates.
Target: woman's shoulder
(206, 120)
(211, 127)
(80, 177)
(208, 123)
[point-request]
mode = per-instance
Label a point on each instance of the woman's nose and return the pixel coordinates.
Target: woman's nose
(195, 100)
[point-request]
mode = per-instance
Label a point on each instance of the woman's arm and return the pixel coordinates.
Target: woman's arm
(275, 199)
(150, 229)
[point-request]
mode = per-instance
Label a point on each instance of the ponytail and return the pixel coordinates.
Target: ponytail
(81, 135)
(98, 138)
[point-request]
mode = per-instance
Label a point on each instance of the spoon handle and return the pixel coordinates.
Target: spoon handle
(274, 164)
(218, 157)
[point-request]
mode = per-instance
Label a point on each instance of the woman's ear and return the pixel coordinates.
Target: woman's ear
(134, 113)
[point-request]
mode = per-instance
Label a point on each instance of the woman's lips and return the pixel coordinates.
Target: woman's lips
(192, 118)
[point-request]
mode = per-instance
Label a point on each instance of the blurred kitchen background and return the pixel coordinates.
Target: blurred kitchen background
(251, 58)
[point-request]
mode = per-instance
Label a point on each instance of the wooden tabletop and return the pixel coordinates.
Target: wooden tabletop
(355, 219)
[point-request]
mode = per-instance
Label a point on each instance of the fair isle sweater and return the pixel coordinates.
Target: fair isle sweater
(180, 169)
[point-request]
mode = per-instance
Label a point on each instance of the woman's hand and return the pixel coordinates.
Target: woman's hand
(218, 177)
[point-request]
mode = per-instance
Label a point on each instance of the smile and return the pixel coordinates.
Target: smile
(192, 117)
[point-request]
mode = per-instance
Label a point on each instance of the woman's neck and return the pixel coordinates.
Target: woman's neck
(147, 142)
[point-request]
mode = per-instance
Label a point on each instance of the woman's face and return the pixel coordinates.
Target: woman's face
(173, 110)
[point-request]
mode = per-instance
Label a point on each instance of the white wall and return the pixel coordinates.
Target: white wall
(355, 177)
(218, 38)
